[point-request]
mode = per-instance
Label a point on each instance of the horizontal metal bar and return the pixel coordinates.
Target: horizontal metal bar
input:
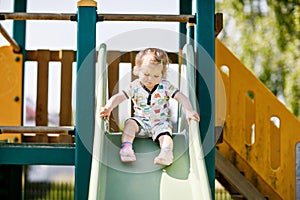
(101, 17)
(37, 129)
(143, 17)
(36, 16)
(37, 154)
(12, 42)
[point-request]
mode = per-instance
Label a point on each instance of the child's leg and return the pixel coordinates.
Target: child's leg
(165, 156)
(165, 141)
(126, 152)
(130, 129)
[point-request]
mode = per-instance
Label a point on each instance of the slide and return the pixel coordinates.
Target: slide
(186, 178)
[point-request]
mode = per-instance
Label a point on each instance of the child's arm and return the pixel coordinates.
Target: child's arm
(114, 101)
(187, 106)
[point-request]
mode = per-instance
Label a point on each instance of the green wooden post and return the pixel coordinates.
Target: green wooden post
(205, 55)
(85, 95)
(185, 7)
(19, 26)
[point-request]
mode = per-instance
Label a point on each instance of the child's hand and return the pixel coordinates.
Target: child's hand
(104, 112)
(192, 115)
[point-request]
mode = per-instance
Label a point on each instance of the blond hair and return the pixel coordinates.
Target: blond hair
(151, 56)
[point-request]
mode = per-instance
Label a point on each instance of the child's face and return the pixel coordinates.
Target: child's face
(150, 75)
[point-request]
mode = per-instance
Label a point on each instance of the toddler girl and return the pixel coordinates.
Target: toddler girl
(150, 94)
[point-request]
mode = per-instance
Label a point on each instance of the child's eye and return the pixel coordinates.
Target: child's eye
(156, 76)
(147, 74)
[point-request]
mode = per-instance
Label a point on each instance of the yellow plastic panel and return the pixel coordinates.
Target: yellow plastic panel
(10, 87)
(260, 134)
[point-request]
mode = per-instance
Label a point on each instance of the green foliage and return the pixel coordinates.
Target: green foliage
(265, 36)
(49, 191)
(287, 16)
(295, 92)
(222, 194)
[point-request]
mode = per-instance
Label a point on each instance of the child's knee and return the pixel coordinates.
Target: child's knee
(163, 135)
(131, 125)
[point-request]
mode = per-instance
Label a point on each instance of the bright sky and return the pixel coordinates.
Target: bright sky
(62, 34)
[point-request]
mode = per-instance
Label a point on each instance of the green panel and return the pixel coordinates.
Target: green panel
(22, 154)
(140, 179)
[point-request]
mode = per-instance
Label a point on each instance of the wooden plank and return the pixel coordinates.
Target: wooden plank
(48, 138)
(37, 129)
(65, 116)
(67, 57)
(236, 179)
(42, 88)
(133, 77)
(32, 55)
(218, 23)
(148, 17)
(113, 60)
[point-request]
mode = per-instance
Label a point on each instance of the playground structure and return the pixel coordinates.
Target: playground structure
(254, 143)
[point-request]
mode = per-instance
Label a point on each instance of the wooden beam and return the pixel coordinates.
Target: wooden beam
(101, 17)
(36, 129)
(143, 17)
(236, 179)
(65, 115)
(42, 88)
(218, 23)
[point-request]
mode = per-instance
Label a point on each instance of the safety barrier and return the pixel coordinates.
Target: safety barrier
(66, 58)
(260, 134)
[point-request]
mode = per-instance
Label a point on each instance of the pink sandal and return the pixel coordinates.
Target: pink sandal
(127, 153)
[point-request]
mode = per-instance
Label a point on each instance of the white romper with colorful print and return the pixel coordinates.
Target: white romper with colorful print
(151, 108)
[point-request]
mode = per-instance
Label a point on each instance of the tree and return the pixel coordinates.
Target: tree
(265, 35)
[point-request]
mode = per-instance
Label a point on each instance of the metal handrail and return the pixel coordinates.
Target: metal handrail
(100, 17)
(12, 42)
(37, 129)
